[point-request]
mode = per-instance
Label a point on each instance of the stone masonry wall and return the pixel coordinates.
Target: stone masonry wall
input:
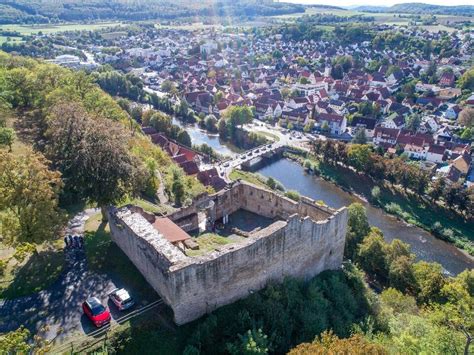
(299, 246)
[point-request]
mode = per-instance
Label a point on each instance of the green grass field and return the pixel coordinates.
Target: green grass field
(382, 17)
(4, 39)
(47, 29)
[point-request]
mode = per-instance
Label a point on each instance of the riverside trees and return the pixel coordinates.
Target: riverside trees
(396, 171)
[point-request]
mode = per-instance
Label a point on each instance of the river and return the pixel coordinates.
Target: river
(200, 136)
(426, 247)
(293, 176)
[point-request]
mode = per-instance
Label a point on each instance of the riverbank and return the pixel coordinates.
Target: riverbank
(294, 177)
(440, 223)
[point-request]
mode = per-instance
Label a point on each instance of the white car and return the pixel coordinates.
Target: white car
(121, 298)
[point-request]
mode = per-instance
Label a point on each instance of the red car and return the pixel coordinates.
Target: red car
(96, 311)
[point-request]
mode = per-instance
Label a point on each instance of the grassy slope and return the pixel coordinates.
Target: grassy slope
(248, 176)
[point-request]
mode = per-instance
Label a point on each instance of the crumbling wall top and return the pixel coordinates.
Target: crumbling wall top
(144, 230)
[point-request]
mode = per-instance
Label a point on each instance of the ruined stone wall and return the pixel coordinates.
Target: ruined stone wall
(150, 252)
(266, 203)
(300, 246)
(297, 248)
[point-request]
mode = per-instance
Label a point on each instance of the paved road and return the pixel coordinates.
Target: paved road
(59, 307)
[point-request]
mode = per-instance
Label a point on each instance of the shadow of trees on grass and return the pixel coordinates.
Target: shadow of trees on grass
(39, 272)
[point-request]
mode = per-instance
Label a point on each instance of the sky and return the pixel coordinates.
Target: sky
(379, 2)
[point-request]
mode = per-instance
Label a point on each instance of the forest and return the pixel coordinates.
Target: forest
(51, 11)
(84, 146)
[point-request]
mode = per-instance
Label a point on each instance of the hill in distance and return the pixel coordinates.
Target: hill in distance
(420, 8)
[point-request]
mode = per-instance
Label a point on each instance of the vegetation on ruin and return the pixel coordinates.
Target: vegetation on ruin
(208, 242)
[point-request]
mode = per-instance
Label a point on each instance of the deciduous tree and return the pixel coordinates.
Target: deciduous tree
(28, 198)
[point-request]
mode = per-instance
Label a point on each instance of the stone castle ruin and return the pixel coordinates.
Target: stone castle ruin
(275, 237)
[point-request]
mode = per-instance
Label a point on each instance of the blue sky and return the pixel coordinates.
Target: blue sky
(380, 3)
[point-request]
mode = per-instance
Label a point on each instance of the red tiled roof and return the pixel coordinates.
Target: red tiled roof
(172, 232)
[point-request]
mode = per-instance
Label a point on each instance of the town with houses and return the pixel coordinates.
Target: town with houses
(249, 177)
(214, 70)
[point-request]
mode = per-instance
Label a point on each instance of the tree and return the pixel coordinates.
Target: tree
(252, 342)
(222, 128)
(309, 126)
(294, 195)
(360, 137)
(325, 127)
(19, 342)
(437, 189)
(337, 72)
(408, 90)
(398, 302)
(372, 254)
(184, 138)
(271, 183)
(169, 86)
(358, 228)
(178, 187)
(400, 274)
(359, 156)
(210, 122)
(328, 343)
(413, 122)
(93, 156)
(7, 137)
(466, 117)
(277, 54)
(466, 81)
(285, 93)
(160, 122)
(28, 199)
(235, 116)
(429, 280)
(458, 312)
(375, 193)
(16, 342)
(366, 108)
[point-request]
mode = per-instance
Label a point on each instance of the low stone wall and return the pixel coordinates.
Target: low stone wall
(300, 246)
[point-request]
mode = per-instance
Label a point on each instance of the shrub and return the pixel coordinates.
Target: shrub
(294, 195)
(3, 266)
(394, 208)
(271, 183)
(436, 229)
(447, 234)
(375, 193)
